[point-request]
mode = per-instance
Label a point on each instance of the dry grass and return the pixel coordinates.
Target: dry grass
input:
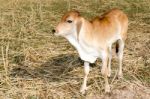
(34, 64)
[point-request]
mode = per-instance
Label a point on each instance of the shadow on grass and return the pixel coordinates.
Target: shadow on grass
(54, 69)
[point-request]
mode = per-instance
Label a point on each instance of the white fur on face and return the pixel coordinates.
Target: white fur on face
(66, 28)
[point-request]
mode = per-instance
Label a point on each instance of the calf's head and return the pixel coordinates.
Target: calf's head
(70, 23)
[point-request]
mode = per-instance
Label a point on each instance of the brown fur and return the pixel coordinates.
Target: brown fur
(101, 28)
(97, 36)
(105, 26)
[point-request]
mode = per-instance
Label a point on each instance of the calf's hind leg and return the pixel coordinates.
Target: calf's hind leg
(120, 57)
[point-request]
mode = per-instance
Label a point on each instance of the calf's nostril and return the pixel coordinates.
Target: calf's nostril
(53, 31)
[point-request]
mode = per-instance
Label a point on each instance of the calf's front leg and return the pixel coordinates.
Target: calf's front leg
(86, 71)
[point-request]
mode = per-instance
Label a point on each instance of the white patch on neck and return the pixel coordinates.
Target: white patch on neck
(86, 53)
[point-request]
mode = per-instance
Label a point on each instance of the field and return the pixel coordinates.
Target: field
(34, 64)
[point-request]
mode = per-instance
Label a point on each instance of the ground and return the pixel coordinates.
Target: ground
(34, 64)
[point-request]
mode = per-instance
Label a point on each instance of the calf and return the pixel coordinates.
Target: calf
(93, 39)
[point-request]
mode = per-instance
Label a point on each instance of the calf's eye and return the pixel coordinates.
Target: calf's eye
(69, 21)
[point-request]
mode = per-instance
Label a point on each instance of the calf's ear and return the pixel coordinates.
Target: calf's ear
(79, 25)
